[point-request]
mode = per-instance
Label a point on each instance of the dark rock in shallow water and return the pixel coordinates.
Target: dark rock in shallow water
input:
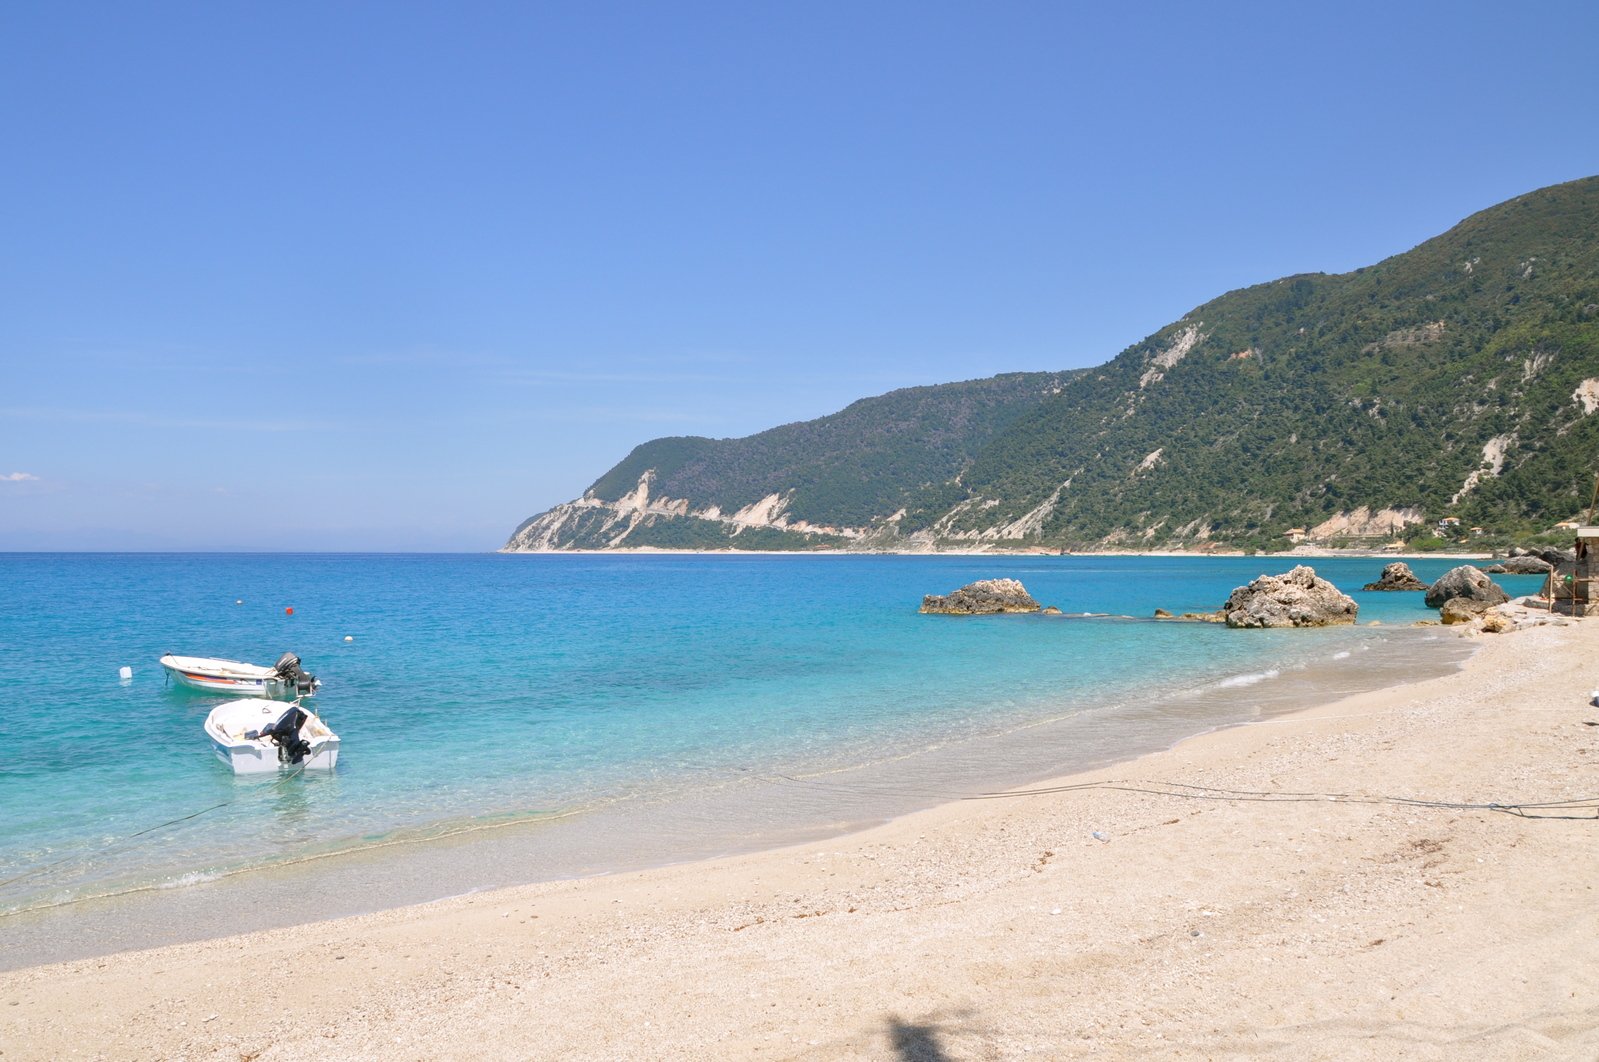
(1299, 598)
(982, 598)
(1396, 576)
(1465, 581)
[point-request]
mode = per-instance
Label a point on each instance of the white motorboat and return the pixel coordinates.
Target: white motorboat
(255, 736)
(235, 678)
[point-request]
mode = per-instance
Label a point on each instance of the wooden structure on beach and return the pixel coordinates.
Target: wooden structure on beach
(1573, 589)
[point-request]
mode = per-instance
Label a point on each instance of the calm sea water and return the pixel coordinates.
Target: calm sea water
(482, 689)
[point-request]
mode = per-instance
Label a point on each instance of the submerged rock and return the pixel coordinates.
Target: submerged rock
(1190, 617)
(1396, 576)
(1299, 598)
(982, 598)
(1468, 582)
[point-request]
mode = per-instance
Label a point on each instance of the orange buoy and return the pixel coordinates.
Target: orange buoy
(288, 612)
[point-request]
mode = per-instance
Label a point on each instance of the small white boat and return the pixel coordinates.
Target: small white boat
(238, 679)
(255, 736)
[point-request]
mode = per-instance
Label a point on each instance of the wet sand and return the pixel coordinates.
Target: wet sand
(1251, 891)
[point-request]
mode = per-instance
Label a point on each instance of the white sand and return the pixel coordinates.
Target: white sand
(991, 929)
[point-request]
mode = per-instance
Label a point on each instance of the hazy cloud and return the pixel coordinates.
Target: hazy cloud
(447, 359)
(548, 376)
(616, 415)
(17, 477)
(145, 420)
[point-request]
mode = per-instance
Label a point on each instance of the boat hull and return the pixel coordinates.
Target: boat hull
(253, 758)
(229, 678)
(229, 723)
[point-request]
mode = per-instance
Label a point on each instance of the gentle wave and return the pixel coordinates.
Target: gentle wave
(1248, 679)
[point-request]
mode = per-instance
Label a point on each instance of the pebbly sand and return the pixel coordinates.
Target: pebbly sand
(1085, 922)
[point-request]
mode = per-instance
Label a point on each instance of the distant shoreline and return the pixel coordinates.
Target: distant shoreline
(1295, 554)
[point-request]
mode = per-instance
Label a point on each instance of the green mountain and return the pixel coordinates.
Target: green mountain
(824, 482)
(1459, 379)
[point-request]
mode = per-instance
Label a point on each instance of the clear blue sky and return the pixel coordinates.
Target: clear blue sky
(399, 275)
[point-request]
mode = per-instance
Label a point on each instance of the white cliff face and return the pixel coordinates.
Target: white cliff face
(1365, 523)
(1587, 396)
(1181, 344)
(607, 524)
(1493, 462)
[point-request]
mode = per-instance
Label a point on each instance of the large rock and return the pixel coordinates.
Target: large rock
(1462, 610)
(1396, 576)
(982, 598)
(1468, 582)
(1297, 599)
(1523, 565)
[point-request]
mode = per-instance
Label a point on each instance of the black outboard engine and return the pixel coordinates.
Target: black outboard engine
(294, 678)
(285, 734)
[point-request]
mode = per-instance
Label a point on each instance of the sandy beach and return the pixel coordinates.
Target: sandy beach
(1254, 891)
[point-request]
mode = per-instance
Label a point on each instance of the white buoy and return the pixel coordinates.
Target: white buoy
(126, 674)
(349, 638)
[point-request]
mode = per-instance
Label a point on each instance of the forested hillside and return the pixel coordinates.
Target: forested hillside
(1460, 379)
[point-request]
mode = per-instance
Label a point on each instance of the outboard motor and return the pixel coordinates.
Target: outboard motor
(294, 678)
(285, 734)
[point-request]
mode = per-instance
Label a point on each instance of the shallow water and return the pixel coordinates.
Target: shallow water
(616, 711)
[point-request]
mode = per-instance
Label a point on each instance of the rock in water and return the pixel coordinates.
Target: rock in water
(1396, 576)
(1468, 582)
(1297, 599)
(982, 598)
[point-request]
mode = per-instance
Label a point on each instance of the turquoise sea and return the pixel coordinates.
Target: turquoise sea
(590, 713)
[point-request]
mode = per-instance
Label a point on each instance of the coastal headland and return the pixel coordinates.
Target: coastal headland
(1408, 873)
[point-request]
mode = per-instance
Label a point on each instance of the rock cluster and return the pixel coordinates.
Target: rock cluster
(1553, 557)
(1396, 576)
(1299, 598)
(1465, 582)
(1527, 564)
(982, 598)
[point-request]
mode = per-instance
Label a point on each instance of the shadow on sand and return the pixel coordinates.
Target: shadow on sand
(915, 1043)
